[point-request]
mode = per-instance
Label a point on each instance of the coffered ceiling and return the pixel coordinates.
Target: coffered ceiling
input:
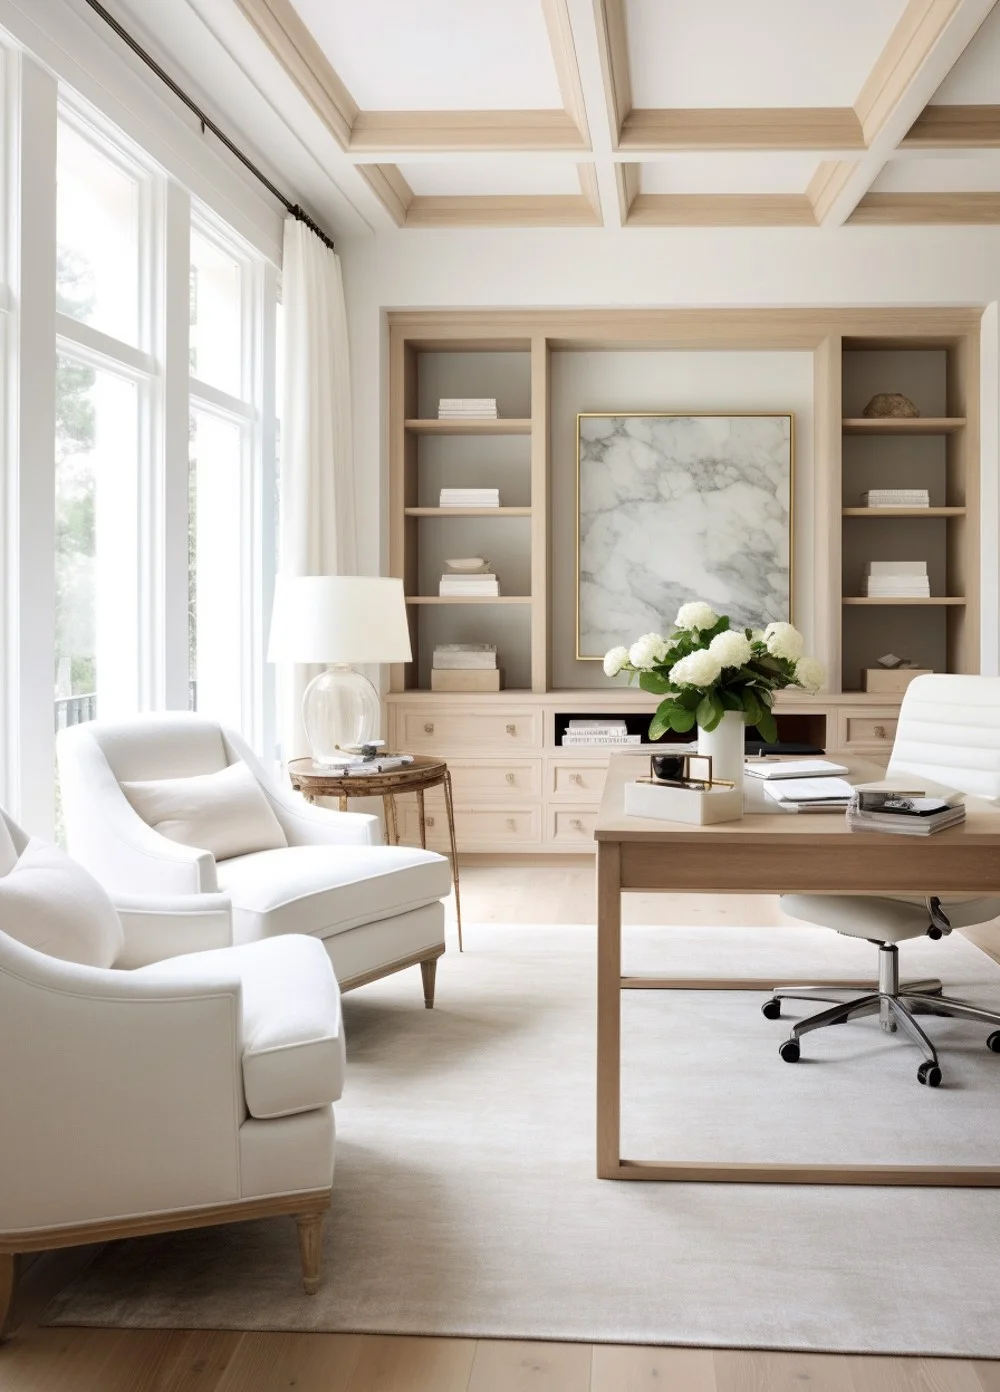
(499, 113)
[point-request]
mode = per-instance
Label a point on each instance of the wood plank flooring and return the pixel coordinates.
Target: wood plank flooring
(107, 1360)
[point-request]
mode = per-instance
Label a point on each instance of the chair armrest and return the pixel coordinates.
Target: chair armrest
(155, 929)
(307, 825)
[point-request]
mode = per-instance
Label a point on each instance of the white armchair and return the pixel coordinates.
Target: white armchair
(194, 1090)
(296, 869)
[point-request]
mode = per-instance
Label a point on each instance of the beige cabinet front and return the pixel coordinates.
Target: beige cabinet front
(578, 780)
(868, 728)
(446, 730)
(495, 780)
(572, 828)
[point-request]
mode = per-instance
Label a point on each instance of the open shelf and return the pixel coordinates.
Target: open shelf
(473, 426)
(467, 511)
(902, 425)
(470, 599)
(900, 599)
(903, 512)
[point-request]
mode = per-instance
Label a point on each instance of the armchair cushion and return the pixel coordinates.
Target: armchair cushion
(8, 851)
(224, 812)
(52, 905)
(293, 1040)
(325, 890)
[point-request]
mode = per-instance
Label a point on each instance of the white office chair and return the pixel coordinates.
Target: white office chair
(948, 734)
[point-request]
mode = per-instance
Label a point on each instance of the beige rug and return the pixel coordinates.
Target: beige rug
(465, 1199)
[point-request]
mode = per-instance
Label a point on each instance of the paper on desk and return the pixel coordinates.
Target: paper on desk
(807, 790)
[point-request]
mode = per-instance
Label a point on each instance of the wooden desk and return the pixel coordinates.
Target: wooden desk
(763, 854)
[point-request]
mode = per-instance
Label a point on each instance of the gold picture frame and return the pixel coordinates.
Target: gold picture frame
(666, 620)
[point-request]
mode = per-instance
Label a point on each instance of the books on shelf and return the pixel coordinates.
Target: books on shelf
(570, 741)
(485, 586)
(469, 497)
(468, 407)
(897, 580)
(903, 814)
(583, 733)
(466, 679)
(465, 656)
(897, 498)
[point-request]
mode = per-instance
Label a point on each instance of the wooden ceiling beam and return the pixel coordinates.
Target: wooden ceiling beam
(612, 40)
(734, 128)
(954, 128)
(928, 209)
(502, 210)
(390, 188)
(389, 132)
(720, 210)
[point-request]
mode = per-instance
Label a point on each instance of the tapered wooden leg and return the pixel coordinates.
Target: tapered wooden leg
(8, 1280)
(428, 970)
(423, 817)
(450, 808)
(310, 1226)
(391, 830)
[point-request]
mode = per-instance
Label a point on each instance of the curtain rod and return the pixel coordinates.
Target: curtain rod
(207, 123)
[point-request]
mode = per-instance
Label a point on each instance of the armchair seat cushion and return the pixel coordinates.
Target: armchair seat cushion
(324, 890)
(293, 1039)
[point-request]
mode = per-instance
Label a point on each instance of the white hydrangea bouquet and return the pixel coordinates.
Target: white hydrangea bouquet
(706, 668)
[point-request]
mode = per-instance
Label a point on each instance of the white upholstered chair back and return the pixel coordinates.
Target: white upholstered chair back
(949, 733)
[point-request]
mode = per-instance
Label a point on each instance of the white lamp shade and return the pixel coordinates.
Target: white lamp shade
(351, 619)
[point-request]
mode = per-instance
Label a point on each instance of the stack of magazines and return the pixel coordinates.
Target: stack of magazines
(902, 813)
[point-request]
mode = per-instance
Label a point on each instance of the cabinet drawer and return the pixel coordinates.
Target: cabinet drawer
(576, 779)
(498, 781)
(868, 729)
(571, 827)
(433, 730)
(476, 828)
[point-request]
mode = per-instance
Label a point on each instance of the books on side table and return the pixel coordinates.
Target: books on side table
(897, 580)
(904, 814)
(467, 407)
(592, 734)
(465, 667)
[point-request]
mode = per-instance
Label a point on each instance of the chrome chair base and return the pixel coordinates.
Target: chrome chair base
(895, 1005)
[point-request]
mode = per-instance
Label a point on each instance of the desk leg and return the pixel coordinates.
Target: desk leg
(450, 807)
(391, 830)
(343, 802)
(609, 1009)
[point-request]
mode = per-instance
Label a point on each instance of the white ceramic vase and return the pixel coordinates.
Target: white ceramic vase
(725, 745)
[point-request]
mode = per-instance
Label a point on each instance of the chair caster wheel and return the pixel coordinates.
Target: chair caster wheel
(929, 1073)
(994, 1042)
(789, 1050)
(771, 1010)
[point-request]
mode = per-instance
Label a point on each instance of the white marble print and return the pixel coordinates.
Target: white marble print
(674, 508)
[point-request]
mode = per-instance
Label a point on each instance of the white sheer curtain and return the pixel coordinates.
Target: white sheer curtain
(318, 527)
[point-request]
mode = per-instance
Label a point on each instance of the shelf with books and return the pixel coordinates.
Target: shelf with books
(468, 599)
(468, 511)
(889, 512)
(946, 600)
(473, 425)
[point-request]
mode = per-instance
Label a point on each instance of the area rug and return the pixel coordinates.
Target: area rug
(465, 1200)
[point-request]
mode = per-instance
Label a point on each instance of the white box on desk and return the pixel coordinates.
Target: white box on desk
(663, 803)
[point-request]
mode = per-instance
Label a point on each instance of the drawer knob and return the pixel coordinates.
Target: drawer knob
(429, 821)
(510, 778)
(512, 729)
(510, 824)
(576, 778)
(576, 824)
(428, 727)
(880, 732)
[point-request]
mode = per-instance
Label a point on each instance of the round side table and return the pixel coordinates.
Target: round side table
(313, 781)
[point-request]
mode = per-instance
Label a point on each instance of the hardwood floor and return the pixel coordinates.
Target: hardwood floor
(105, 1360)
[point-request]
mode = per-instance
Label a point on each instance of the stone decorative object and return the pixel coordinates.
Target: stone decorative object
(671, 506)
(890, 404)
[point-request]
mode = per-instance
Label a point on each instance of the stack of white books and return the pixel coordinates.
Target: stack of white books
(905, 815)
(825, 793)
(468, 408)
(483, 585)
(897, 580)
(897, 498)
(465, 667)
(583, 734)
(470, 497)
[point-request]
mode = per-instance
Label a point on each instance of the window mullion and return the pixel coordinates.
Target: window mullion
(176, 404)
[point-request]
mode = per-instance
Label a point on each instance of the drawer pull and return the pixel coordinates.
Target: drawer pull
(880, 732)
(576, 778)
(576, 824)
(510, 824)
(428, 727)
(510, 778)
(512, 729)
(429, 821)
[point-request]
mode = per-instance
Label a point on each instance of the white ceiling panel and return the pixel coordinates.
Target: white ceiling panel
(437, 55)
(729, 173)
(975, 78)
(707, 53)
(497, 176)
(957, 174)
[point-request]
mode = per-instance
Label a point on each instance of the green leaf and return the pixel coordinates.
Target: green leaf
(660, 723)
(654, 683)
(731, 700)
(768, 726)
(682, 721)
(706, 714)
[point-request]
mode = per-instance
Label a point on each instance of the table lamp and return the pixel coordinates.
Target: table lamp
(339, 620)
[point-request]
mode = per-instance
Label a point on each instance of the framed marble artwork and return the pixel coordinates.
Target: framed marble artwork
(677, 507)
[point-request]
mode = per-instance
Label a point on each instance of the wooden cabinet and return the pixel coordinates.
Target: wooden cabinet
(572, 828)
(443, 729)
(576, 780)
(868, 728)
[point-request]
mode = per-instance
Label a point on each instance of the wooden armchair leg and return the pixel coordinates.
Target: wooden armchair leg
(310, 1226)
(8, 1280)
(428, 970)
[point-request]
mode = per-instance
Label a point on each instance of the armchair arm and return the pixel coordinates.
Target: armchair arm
(107, 835)
(155, 929)
(120, 1095)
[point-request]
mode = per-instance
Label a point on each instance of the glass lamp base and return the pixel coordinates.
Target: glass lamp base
(340, 708)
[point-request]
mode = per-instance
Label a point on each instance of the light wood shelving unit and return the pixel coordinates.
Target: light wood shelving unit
(517, 789)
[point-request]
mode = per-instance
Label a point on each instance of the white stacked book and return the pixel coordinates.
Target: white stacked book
(897, 580)
(470, 497)
(583, 734)
(481, 586)
(465, 667)
(825, 793)
(897, 498)
(467, 408)
(905, 815)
